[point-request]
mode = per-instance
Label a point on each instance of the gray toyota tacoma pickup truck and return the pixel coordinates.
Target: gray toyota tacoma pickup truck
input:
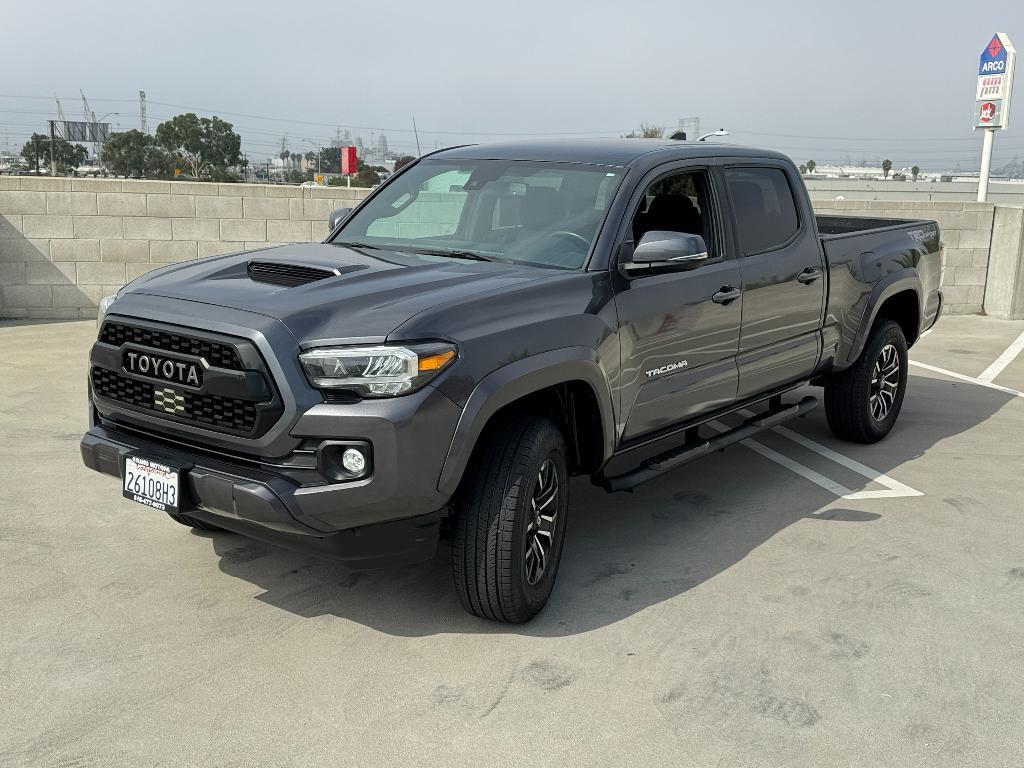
(489, 322)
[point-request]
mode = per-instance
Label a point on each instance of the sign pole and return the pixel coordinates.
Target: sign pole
(992, 100)
(986, 164)
(53, 168)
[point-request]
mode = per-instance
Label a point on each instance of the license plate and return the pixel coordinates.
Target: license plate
(152, 483)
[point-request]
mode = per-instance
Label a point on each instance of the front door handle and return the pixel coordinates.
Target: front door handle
(726, 295)
(809, 275)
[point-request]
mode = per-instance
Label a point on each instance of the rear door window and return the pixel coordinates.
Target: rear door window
(764, 208)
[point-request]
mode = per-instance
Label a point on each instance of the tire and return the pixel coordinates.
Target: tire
(499, 575)
(194, 522)
(860, 405)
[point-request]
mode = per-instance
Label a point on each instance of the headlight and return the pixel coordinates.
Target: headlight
(377, 371)
(105, 303)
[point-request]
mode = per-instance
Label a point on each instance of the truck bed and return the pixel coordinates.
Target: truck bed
(831, 227)
(861, 253)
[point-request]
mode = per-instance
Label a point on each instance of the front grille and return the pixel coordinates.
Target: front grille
(226, 413)
(217, 355)
(230, 398)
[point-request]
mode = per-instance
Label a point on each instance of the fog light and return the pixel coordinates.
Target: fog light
(354, 461)
(345, 460)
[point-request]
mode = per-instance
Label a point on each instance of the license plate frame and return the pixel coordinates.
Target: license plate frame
(152, 482)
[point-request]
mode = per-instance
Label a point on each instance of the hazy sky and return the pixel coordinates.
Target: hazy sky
(821, 80)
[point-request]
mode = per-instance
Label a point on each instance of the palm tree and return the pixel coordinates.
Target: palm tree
(915, 172)
(803, 170)
(811, 165)
(886, 167)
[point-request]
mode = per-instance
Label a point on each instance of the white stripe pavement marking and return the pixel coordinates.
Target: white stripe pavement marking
(894, 488)
(806, 472)
(970, 379)
(1003, 360)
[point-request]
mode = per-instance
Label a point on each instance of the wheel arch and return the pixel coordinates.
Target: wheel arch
(566, 384)
(895, 297)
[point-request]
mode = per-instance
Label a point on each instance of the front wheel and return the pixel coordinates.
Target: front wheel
(510, 521)
(863, 402)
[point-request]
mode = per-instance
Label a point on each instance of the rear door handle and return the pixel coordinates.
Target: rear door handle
(726, 295)
(809, 275)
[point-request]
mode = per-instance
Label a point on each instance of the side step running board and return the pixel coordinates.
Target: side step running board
(665, 462)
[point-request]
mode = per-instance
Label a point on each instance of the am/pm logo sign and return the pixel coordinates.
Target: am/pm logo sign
(991, 87)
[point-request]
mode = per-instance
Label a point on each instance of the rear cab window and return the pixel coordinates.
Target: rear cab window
(764, 208)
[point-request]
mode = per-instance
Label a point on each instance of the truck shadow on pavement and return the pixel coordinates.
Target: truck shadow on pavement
(626, 553)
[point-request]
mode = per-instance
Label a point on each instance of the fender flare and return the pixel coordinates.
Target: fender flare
(514, 381)
(887, 287)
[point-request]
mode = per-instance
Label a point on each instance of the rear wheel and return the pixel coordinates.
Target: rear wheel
(510, 521)
(863, 402)
(194, 522)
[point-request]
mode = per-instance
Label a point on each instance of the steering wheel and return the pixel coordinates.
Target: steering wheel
(566, 235)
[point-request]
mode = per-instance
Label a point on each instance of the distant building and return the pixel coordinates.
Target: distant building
(871, 173)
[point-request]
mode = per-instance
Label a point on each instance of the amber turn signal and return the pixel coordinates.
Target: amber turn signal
(436, 362)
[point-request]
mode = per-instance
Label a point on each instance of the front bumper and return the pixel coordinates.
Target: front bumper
(389, 518)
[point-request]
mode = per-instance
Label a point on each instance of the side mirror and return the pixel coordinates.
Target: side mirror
(663, 251)
(337, 216)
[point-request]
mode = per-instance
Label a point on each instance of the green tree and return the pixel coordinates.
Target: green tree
(915, 172)
(204, 144)
(403, 161)
(330, 160)
(135, 154)
(366, 178)
(811, 165)
(67, 156)
(646, 131)
(803, 169)
(886, 167)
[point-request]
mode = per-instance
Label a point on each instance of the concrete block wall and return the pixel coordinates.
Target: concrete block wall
(66, 243)
(966, 230)
(1000, 193)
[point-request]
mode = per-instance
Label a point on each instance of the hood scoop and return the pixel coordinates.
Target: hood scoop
(288, 274)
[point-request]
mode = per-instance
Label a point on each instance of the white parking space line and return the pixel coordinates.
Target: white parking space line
(893, 488)
(971, 379)
(1003, 360)
(794, 466)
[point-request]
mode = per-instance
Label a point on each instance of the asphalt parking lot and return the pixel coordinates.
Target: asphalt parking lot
(792, 601)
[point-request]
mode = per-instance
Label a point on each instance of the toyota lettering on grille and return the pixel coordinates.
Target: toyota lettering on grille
(163, 368)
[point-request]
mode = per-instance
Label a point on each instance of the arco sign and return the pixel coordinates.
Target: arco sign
(995, 78)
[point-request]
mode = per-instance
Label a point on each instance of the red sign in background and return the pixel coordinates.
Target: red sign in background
(348, 160)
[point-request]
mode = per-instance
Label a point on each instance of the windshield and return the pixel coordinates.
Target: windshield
(546, 214)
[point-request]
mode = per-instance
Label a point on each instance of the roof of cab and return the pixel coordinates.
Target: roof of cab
(598, 151)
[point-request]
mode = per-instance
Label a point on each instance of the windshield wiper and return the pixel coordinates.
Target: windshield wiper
(455, 253)
(355, 244)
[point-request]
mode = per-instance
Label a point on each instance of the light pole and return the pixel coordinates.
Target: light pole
(100, 158)
(319, 152)
(719, 132)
